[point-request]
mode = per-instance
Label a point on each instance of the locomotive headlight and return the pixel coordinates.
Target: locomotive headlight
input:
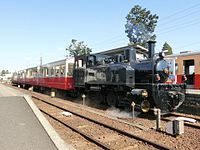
(144, 93)
(145, 106)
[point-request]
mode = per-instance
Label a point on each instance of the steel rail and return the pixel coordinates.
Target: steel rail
(90, 138)
(185, 115)
(131, 135)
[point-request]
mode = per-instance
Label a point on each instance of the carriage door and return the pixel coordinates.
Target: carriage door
(189, 72)
(79, 72)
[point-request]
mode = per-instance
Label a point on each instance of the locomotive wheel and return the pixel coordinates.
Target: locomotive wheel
(112, 99)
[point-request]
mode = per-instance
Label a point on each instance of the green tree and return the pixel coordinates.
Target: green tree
(167, 49)
(78, 48)
(3, 72)
(140, 25)
(7, 72)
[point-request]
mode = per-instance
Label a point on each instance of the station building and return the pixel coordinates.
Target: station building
(187, 63)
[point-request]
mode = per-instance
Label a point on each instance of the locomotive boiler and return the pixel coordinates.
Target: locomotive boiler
(122, 79)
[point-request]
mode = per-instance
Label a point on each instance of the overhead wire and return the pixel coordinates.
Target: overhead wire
(167, 20)
(183, 26)
(179, 24)
(182, 17)
(179, 12)
(179, 18)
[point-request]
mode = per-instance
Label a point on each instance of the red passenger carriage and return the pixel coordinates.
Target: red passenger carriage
(56, 75)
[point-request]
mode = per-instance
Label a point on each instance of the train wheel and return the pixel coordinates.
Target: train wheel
(112, 99)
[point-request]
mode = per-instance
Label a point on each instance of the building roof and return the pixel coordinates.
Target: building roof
(139, 49)
(183, 54)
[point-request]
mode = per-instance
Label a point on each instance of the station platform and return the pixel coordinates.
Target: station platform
(23, 127)
(192, 91)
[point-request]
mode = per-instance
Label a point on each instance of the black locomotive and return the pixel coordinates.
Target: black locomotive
(122, 79)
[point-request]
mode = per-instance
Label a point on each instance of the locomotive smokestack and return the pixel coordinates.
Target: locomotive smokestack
(151, 47)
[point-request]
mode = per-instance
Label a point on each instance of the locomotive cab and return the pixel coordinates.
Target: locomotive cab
(79, 71)
(111, 75)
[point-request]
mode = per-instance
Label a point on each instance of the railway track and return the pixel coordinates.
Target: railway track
(101, 126)
(192, 99)
(172, 116)
(186, 115)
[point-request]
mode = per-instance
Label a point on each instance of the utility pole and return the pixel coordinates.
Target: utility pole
(41, 61)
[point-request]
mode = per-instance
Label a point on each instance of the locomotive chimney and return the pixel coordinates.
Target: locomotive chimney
(151, 47)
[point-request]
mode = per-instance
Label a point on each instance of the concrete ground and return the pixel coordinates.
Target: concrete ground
(7, 91)
(22, 125)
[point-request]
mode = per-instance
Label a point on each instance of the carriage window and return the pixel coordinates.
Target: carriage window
(57, 71)
(34, 74)
(176, 68)
(41, 72)
(52, 71)
(70, 69)
(49, 72)
(100, 60)
(189, 70)
(28, 73)
(45, 72)
(188, 66)
(91, 61)
(76, 64)
(80, 62)
(62, 70)
(31, 73)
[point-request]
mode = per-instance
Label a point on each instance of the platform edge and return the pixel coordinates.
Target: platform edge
(57, 140)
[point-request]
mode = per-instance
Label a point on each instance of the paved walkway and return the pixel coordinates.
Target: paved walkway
(19, 128)
(8, 91)
(22, 125)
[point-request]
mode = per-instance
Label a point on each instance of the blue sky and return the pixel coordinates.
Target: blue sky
(30, 29)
